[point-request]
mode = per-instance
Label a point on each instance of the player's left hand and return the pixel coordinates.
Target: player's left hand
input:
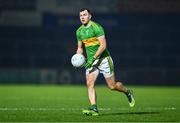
(89, 63)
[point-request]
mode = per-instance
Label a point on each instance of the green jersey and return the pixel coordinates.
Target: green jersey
(88, 35)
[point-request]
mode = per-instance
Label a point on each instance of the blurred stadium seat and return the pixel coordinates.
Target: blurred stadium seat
(143, 40)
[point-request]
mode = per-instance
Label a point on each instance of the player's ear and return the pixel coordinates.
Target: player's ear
(90, 16)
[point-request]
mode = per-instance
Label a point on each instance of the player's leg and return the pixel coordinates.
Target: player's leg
(113, 85)
(107, 68)
(118, 86)
(90, 82)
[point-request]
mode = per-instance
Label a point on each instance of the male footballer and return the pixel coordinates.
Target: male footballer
(92, 36)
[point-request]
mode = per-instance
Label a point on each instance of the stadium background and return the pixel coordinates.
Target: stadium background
(37, 40)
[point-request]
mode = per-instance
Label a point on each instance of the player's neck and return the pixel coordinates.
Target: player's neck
(87, 24)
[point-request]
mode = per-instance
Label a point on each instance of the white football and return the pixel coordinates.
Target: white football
(77, 60)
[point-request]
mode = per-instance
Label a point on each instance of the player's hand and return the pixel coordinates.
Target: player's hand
(89, 63)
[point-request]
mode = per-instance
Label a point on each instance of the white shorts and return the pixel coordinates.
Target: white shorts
(104, 66)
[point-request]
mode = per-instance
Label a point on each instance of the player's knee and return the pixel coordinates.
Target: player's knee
(112, 87)
(90, 84)
(119, 84)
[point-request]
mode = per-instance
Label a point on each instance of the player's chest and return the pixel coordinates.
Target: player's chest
(87, 33)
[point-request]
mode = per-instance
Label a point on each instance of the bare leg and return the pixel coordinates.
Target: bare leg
(90, 81)
(118, 86)
(113, 85)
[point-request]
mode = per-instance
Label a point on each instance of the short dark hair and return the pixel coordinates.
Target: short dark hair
(83, 9)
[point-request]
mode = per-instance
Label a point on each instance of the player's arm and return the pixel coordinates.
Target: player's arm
(79, 43)
(79, 48)
(102, 47)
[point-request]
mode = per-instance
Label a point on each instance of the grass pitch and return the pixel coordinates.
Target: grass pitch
(37, 103)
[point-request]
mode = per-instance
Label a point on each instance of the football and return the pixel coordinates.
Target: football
(77, 60)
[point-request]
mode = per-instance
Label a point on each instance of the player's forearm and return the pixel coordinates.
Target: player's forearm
(102, 46)
(100, 51)
(79, 48)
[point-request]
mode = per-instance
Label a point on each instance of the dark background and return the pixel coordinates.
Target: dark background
(37, 40)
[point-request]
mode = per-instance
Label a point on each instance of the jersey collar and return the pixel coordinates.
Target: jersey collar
(88, 25)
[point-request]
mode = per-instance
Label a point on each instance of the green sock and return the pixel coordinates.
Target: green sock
(94, 107)
(127, 92)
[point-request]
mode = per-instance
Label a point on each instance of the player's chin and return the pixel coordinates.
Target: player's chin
(84, 22)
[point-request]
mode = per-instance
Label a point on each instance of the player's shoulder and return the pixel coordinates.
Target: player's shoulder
(79, 28)
(96, 25)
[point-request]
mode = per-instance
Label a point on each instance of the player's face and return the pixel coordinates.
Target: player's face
(84, 17)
